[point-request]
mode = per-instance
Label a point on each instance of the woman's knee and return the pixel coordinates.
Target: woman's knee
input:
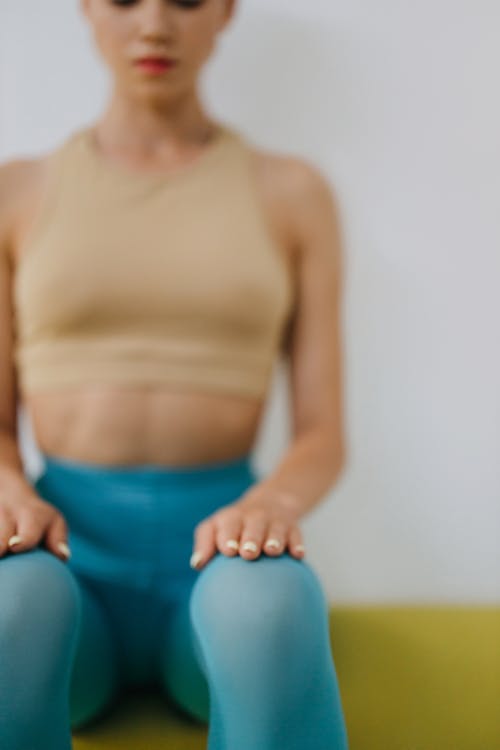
(267, 594)
(39, 594)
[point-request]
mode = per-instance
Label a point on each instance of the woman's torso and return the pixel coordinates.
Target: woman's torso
(106, 424)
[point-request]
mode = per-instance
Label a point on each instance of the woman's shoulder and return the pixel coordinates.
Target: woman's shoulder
(22, 187)
(293, 183)
(25, 174)
(17, 177)
(294, 175)
(20, 176)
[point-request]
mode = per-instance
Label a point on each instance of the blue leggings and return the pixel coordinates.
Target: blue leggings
(241, 645)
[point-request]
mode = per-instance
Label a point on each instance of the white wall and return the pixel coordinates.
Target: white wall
(397, 102)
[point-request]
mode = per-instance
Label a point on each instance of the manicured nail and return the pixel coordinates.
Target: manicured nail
(196, 557)
(15, 539)
(250, 546)
(233, 544)
(273, 543)
(63, 547)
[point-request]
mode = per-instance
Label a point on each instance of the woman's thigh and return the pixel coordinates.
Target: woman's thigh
(56, 641)
(260, 633)
(237, 608)
(95, 675)
(181, 670)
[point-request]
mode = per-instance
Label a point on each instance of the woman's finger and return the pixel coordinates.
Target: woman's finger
(276, 538)
(296, 542)
(7, 531)
(56, 537)
(254, 532)
(228, 533)
(204, 546)
(28, 532)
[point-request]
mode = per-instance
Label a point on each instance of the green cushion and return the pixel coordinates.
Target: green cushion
(411, 678)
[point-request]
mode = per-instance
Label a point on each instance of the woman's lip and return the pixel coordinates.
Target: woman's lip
(155, 60)
(154, 64)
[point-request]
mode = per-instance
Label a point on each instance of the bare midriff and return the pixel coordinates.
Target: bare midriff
(136, 425)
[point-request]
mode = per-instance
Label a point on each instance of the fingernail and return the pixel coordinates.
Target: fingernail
(233, 544)
(63, 547)
(300, 548)
(273, 543)
(15, 539)
(250, 546)
(195, 559)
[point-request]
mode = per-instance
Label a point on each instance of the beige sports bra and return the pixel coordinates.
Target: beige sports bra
(141, 278)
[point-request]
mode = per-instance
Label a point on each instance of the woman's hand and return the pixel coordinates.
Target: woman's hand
(25, 519)
(261, 521)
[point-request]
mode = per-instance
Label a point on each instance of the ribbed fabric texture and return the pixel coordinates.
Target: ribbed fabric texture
(149, 277)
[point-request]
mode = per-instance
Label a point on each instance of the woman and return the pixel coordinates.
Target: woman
(153, 266)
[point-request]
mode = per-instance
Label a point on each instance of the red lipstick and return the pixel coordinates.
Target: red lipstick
(155, 65)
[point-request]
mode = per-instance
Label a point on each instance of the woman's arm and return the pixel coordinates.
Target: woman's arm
(315, 457)
(266, 517)
(10, 458)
